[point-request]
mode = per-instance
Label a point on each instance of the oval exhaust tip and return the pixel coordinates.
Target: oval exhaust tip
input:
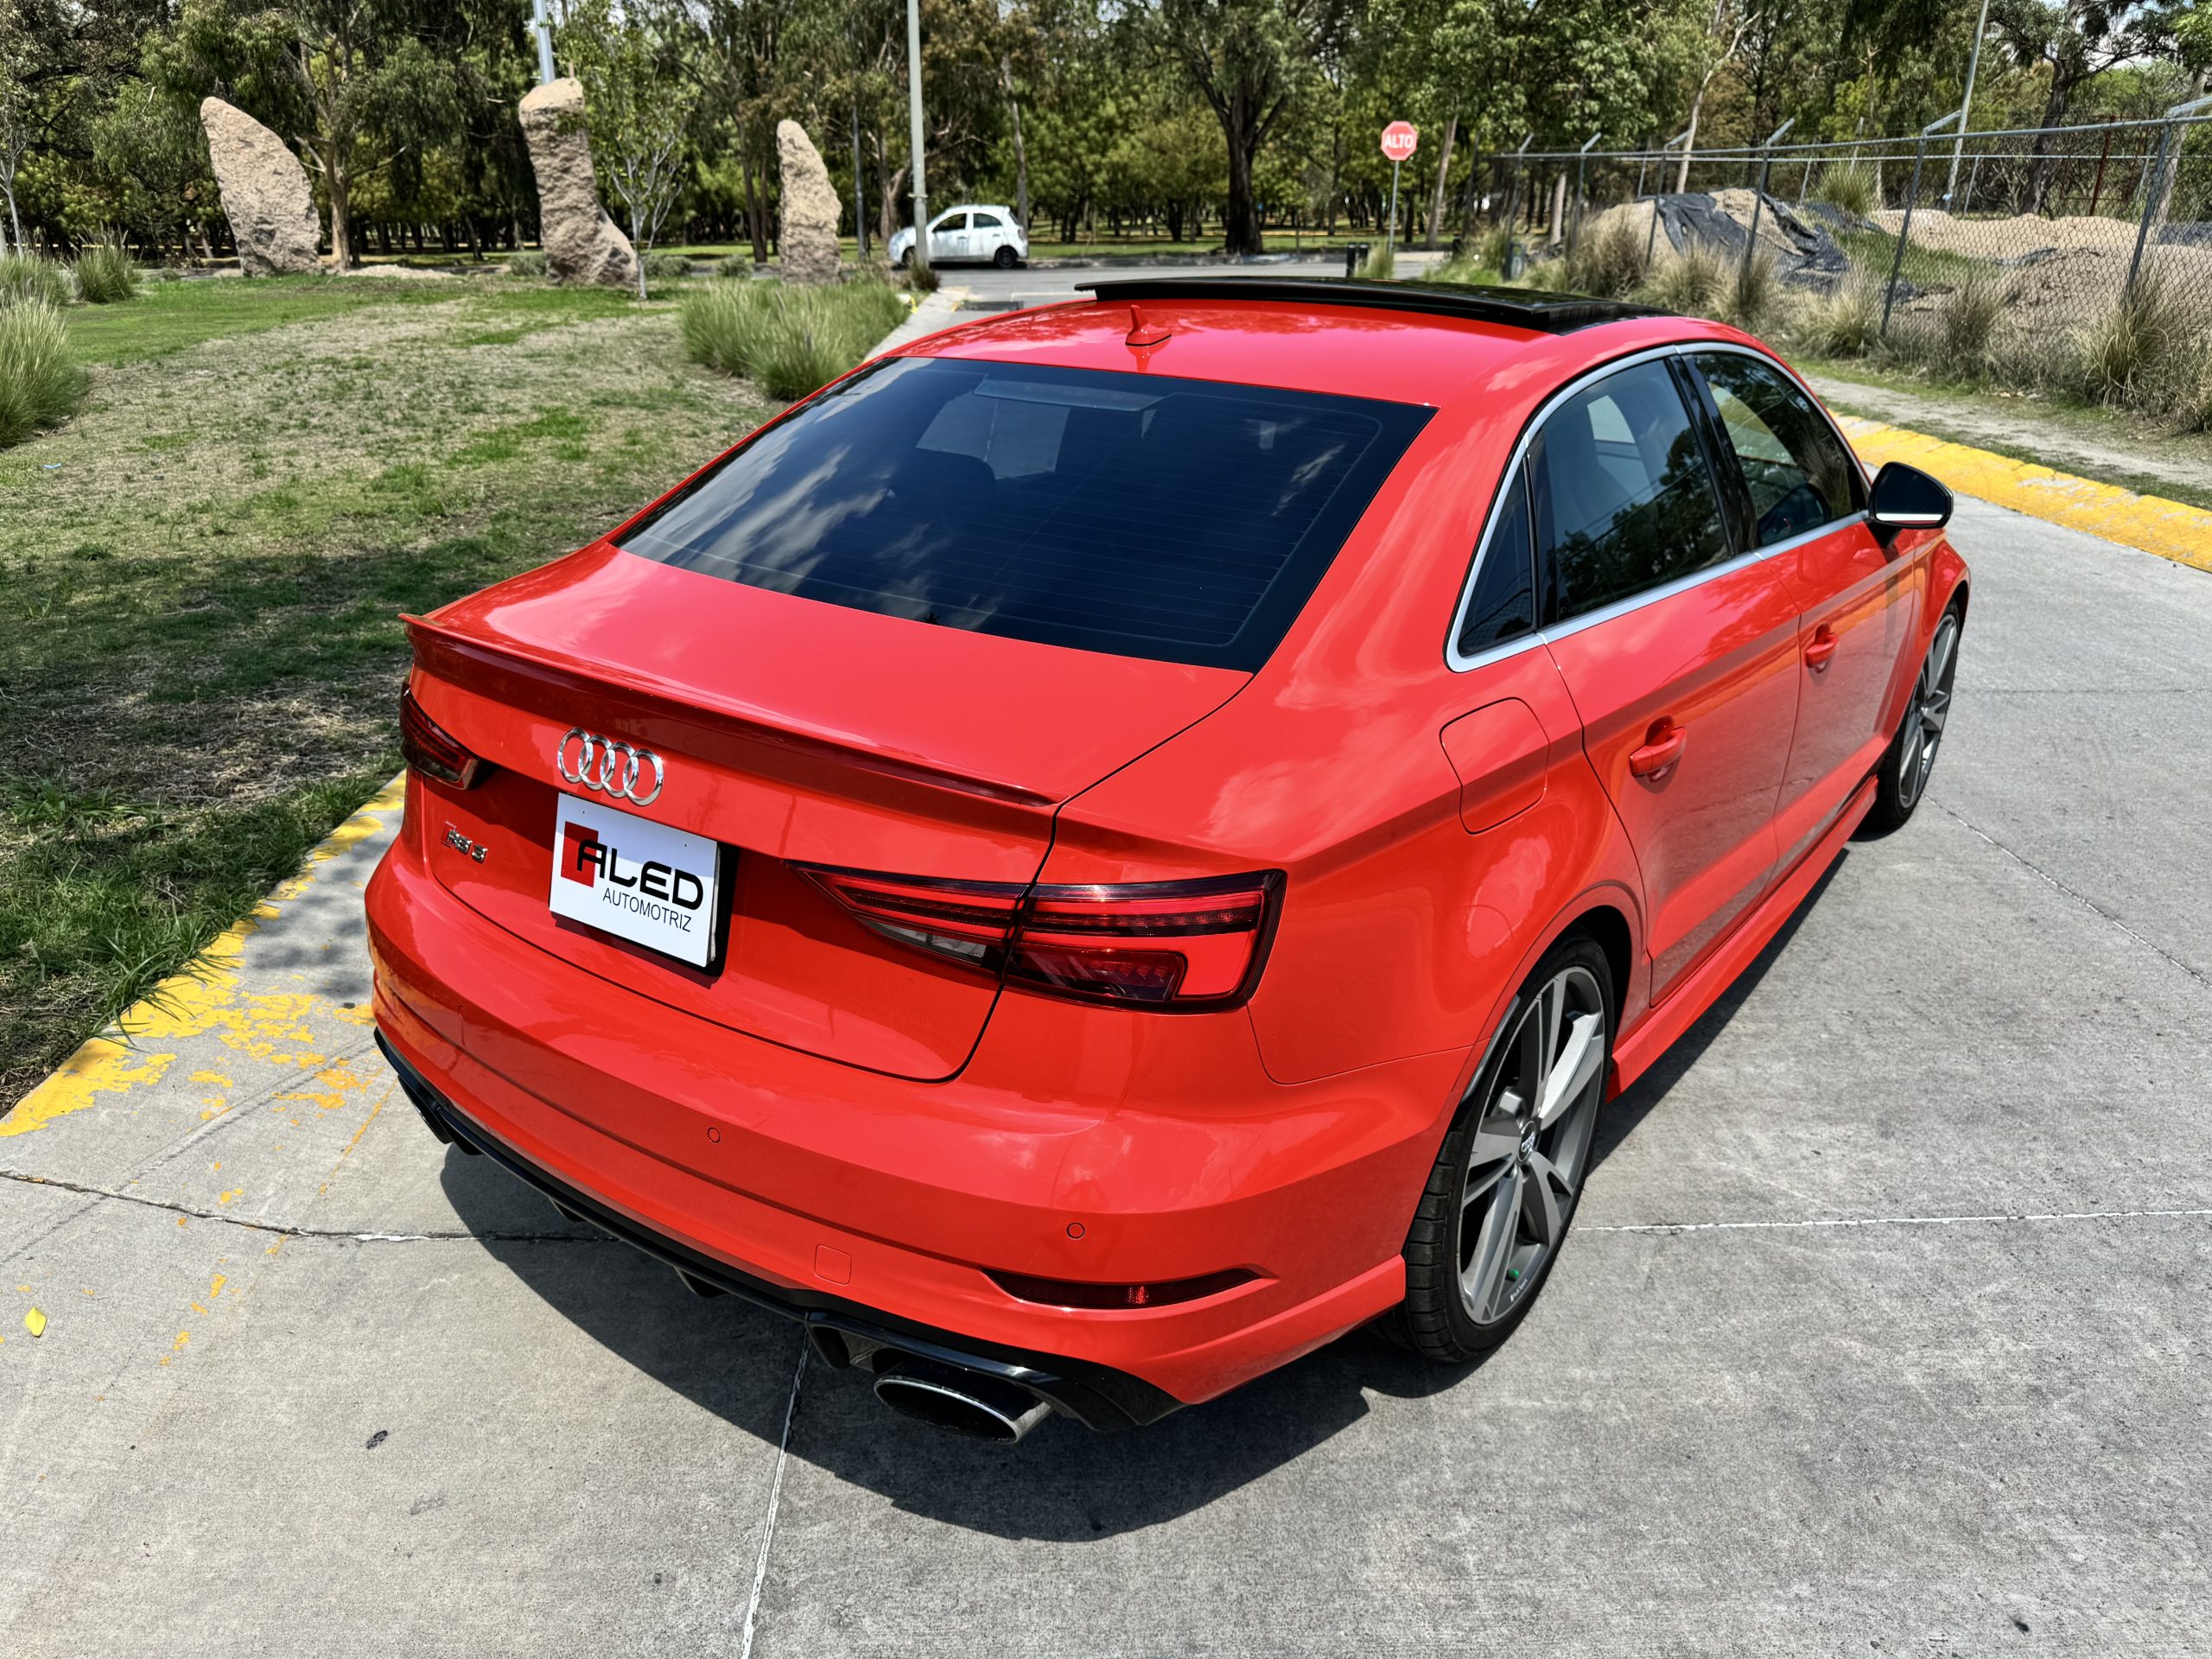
(965, 1402)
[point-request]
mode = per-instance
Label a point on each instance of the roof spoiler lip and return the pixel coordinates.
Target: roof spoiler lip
(1534, 309)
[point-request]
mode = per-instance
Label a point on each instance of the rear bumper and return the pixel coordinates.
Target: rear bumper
(1078, 1143)
(1096, 1395)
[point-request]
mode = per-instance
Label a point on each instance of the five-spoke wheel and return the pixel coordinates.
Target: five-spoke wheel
(1526, 1156)
(1903, 777)
(1504, 1189)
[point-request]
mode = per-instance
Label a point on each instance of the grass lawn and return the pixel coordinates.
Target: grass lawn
(1875, 252)
(206, 570)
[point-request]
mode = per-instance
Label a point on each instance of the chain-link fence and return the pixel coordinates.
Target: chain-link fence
(2038, 231)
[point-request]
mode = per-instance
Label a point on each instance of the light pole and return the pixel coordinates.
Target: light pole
(543, 28)
(921, 254)
(1966, 104)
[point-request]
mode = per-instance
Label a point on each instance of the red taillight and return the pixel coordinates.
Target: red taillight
(1080, 1292)
(431, 749)
(1165, 945)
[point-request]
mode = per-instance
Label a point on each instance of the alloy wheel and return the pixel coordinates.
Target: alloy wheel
(1931, 708)
(1527, 1156)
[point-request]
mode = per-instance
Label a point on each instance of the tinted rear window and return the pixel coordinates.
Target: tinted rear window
(1149, 517)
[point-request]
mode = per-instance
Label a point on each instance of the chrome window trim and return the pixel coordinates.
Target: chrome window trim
(1460, 665)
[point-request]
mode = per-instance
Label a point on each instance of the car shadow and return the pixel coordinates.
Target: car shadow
(1064, 1484)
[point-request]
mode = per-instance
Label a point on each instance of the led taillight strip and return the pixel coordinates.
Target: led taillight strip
(1181, 945)
(432, 750)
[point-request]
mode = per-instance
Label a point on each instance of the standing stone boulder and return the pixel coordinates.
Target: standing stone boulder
(808, 245)
(581, 242)
(265, 194)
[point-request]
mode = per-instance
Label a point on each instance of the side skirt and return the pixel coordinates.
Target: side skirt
(1635, 1051)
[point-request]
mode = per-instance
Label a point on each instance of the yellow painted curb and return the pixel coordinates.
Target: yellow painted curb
(2170, 528)
(206, 996)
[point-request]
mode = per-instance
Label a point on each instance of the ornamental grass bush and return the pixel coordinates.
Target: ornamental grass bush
(1690, 284)
(1845, 322)
(1608, 262)
(28, 276)
(790, 340)
(106, 276)
(40, 385)
(1849, 187)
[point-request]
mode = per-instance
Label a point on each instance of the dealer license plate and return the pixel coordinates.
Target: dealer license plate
(637, 880)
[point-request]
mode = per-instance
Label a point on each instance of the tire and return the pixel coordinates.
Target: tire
(1470, 1282)
(906, 260)
(1901, 780)
(1005, 259)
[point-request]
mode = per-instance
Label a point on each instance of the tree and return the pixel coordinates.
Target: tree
(641, 68)
(1249, 60)
(352, 84)
(2074, 40)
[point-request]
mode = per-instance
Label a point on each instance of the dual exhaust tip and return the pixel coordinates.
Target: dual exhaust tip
(967, 1402)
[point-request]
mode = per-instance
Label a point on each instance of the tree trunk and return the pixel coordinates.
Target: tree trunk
(1240, 224)
(892, 183)
(1443, 172)
(1555, 233)
(342, 226)
(1689, 139)
(752, 211)
(1020, 150)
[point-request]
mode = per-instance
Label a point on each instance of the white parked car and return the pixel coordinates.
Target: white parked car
(984, 232)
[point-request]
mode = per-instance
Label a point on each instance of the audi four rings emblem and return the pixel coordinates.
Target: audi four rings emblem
(610, 767)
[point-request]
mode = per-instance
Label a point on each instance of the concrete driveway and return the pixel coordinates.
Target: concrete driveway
(1882, 1329)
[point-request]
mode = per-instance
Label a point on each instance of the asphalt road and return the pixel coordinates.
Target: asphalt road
(1883, 1329)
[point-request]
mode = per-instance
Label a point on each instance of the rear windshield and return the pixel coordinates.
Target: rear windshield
(1173, 519)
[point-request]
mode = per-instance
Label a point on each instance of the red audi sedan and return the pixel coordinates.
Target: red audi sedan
(1118, 843)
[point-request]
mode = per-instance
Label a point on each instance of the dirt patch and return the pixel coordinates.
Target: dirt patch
(2008, 239)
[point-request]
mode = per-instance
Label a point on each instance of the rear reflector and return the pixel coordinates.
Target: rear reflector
(431, 749)
(1179, 945)
(1077, 1293)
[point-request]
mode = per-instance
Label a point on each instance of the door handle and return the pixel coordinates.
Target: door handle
(1821, 647)
(1662, 745)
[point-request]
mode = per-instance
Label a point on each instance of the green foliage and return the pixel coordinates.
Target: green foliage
(1692, 284)
(1608, 261)
(922, 279)
(40, 385)
(2125, 356)
(1381, 263)
(1851, 187)
(1966, 326)
(666, 267)
(106, 275)
(529, 263)
(27, 276)
(1752, 293)
(791, 341)
(1845, 322)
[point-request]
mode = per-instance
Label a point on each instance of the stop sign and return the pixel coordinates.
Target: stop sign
(1399, 141)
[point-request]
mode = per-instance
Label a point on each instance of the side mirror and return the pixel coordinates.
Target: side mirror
(1905, 497)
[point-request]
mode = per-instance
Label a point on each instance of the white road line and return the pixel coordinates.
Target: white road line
(775, 1499)
(1892, 1221)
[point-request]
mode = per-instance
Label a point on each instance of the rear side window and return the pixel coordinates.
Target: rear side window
(985, 222)
(1623, 498)
(1792, 462)
(1179, 520)
(1503, 606)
